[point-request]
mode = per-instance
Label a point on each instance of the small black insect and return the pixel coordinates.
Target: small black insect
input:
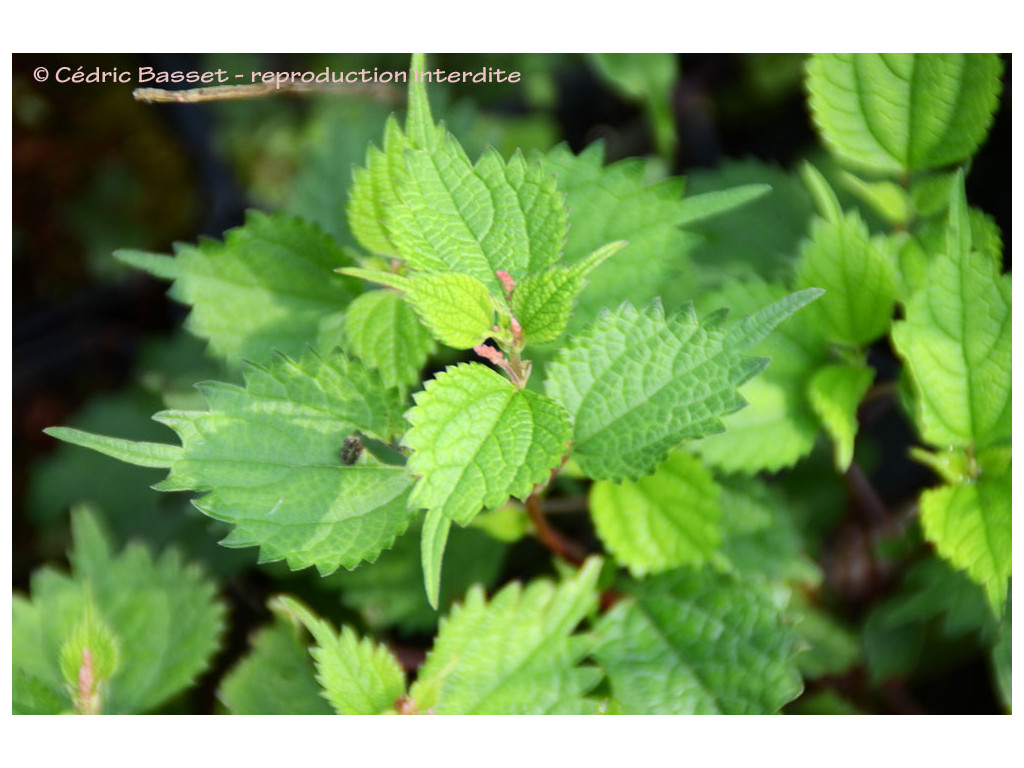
(351, 449)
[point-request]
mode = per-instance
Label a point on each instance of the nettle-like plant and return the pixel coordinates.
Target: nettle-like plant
(550, 286)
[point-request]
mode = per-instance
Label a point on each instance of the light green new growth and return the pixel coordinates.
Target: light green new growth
(476, 439)
(383, 331)
(268, 458)
(151, 627)
(698, 642)
(661, 521)
(901, 112)
(373, 188)
(269, 286)
(458, 309)
(637, 383)
(457, 217)
(359, 677)
(515, 654)
(835, 393)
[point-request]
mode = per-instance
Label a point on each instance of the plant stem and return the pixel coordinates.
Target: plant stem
(567, 549)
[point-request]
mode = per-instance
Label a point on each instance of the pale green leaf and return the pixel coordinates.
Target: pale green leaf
(515, 654)
(276, 677)
(543, 302)
(269, 286)
(970, 525)
(956, 342)
(382, 330)
(889, 199)
(858, 275)
(141, 454)
(433, 541)
(637, 383)
(359, 677)
(161, 614)
(698, 642)
(777, 427)
(661, 521)
(476, 440)
(473, 220)
(835, 393)
(373, 189)
(901, 112)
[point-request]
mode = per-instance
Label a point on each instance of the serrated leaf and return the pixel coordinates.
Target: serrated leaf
(473, 220)
(359, 677)
(698, 642)
(162, 615)
(834, 393)
(858, 275)
(615, 202)
(373, 189)
(383, 331)
(515, 654)
(901, 112)
(267, 456)
(476, 440)
(661, 521)
(637, 383)
(777, 427)
(268, 286)
(543, 302)
(760, 238)
(970, 525)
(956, 342)
(276, 677)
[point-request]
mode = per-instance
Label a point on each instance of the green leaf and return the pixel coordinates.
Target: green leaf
(383, 331)
(761, 238)
(615, 202)
(661, 521)
(759, 536)
(777, 427)
(476, 440)
(268, 457)
(268, 286)
(516, 654)
(889, 199)
(970, 526)
(543, 302)
(835, 393)
(956, 342)
(433, 541)
(831, 648)
(858, 275)
(161, 615)
(374, 189)
(276, 677)
(698, 642)
(901, 112)
(359, 677)
(476, 219)
(458, 309)
(638, 384)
